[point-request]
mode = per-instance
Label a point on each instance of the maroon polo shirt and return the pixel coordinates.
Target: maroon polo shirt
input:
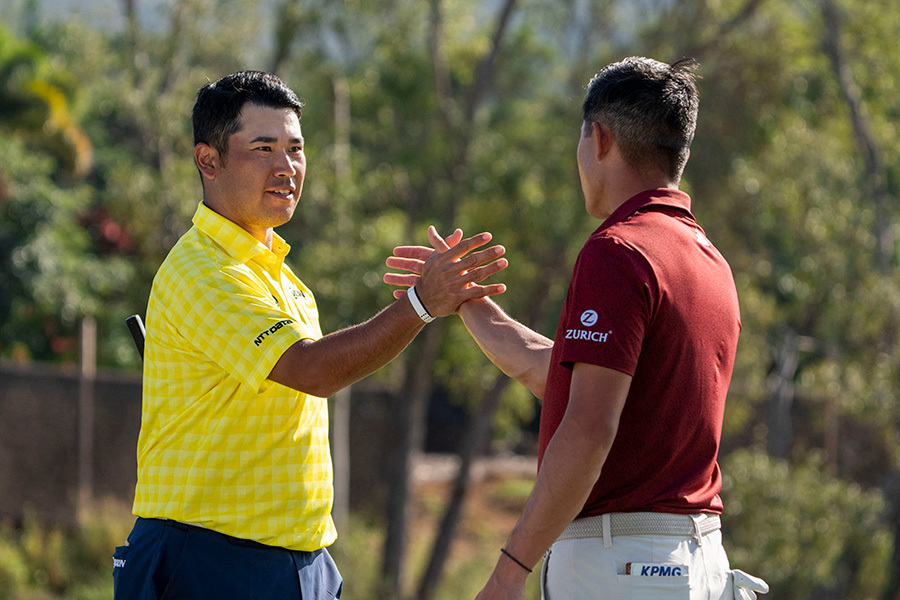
(651, 297)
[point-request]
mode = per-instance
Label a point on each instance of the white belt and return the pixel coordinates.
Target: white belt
(642, 523)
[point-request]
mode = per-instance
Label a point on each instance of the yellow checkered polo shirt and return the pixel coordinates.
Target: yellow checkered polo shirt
(221, 445)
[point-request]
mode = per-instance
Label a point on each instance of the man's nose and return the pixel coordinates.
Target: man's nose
(284, 165)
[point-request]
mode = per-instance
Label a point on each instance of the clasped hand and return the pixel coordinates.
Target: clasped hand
(447, 274)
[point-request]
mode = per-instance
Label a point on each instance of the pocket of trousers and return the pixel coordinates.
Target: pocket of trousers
(320, 579)
(544, 566)
(144, 567)
(634, 587)
(120, 558)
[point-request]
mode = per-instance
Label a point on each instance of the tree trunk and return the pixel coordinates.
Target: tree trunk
(86, 409)
(876, 175)
(409, 410)
(478, 434)
(891, 489)
(781, 384)
(476, 437)
(722, 31)
(171, 63)
(288, 19)
(132, 37)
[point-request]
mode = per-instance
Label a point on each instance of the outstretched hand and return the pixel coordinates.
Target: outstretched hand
(447, 274)
(505, 583)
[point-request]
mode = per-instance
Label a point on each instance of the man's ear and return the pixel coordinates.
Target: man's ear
(207, 160)
(603, 137)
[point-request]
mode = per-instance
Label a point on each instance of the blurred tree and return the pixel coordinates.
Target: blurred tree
(35, 99)
(778, 512)
(459, 113)
(793, 168)
(48, 276)
(770, 162)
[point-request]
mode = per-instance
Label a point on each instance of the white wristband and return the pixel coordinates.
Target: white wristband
(418, 306)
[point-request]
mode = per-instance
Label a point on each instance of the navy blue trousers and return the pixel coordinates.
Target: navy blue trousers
(166, 560)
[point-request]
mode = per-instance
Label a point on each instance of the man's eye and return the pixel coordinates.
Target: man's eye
(297, 149)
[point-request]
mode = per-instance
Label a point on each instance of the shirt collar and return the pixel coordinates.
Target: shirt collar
(235, 241)
(649, 198)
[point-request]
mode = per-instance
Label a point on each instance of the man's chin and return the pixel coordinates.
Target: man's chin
(278, 217)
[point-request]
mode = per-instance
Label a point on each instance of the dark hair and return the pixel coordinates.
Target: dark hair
(650, 107)
(217, 111)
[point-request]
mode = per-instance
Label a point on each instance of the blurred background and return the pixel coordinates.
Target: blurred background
(457, 113)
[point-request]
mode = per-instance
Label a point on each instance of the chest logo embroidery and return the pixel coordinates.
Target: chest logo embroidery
(589, 318)
(262, 336)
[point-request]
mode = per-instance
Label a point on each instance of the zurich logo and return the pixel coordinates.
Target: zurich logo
(589, 318)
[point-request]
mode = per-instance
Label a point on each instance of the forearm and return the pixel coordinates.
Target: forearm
(324, 366)
(570, 467)
(517, 350)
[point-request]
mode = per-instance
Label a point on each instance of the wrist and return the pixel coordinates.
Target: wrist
(418, 305)
(515, 560)
(508, 574)
(474, 306)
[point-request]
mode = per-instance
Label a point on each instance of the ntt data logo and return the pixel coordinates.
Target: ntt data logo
(259, 339)
(589, 318)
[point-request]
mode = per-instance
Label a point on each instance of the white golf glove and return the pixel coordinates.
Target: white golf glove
(746, 586)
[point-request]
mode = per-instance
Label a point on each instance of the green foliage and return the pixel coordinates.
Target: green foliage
(48, 277)
(35, 99)
(72, 562)
(803, 530)
(13, 569)
(779, 180)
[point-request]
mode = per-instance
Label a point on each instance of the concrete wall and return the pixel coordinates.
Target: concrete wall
(39, 442)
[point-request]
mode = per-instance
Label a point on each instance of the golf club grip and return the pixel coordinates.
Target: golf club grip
(136, 327)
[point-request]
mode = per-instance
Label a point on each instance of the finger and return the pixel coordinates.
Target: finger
(482, 291)
(454, 238)
(405, 264)
(483, 256)
(400, 279)
(467, 245)
(438, 242)
(417, 252)
(481, 273)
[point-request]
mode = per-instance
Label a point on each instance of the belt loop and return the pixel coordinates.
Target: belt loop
(697, 531)
(607, 531)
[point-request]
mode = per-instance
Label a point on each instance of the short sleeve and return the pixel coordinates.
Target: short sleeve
(233, 319)
(609, 306)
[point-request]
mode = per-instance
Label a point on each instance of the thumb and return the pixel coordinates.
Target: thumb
(454, 238)
(438, 243)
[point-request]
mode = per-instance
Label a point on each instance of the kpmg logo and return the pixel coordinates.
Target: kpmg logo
(656, 570)
(589, 318)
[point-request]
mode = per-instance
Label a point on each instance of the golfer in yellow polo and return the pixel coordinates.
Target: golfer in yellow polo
(234, 487)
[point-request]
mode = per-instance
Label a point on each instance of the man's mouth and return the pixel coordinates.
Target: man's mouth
(285, 193)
